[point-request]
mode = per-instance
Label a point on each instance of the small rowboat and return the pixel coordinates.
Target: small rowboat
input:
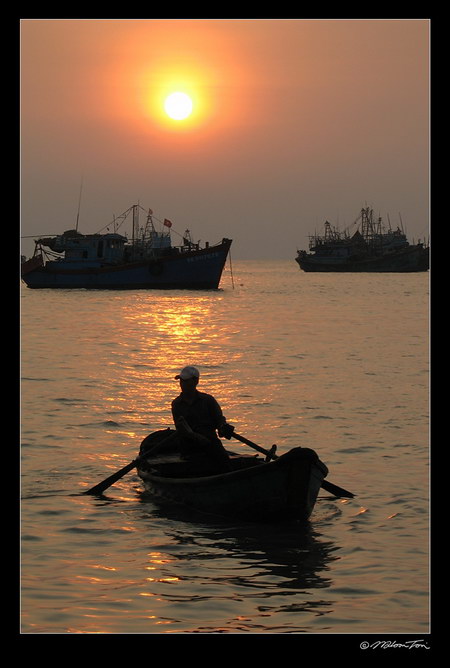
(254, 490)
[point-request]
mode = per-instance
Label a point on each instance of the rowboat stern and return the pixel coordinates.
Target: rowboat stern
(305, 473)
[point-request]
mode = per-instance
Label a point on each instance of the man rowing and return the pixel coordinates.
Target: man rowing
(197, 417)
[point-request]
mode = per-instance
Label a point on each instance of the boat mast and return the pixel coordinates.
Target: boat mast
(367, 230)
(149, 227)
(79, 205)
(135, 223)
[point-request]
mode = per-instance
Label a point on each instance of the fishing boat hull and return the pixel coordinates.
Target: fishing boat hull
(198, 269)
(411, 259)
(280, 490)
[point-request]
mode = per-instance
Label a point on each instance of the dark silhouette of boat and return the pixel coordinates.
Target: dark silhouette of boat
(371, 248)
(254, 489)
(111, 261)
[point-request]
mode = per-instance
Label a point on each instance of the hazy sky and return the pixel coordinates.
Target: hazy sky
(295, 121)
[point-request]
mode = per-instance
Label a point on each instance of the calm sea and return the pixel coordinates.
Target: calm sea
(337, 363)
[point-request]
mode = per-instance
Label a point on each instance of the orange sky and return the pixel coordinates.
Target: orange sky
(295, 122)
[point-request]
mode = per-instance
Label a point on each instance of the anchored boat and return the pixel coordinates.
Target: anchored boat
(111, 261)
(373, 247)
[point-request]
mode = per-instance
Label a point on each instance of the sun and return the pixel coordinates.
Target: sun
(178, 106)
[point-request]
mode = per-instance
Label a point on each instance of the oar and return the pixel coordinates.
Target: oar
(100, 488)
(270, 454)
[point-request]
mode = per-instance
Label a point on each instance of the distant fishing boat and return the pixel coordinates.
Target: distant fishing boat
(112, 261)
(373, 247)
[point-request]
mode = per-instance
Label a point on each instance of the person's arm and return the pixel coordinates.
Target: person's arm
(224, 429)
(175, 411)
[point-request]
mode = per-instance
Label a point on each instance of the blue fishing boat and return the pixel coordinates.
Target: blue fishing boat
(111, 261)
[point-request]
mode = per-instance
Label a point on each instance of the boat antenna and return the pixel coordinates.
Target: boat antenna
(79, 205)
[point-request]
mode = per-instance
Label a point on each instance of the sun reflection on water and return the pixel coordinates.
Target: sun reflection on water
(156, 337)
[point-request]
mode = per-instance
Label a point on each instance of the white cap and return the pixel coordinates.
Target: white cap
(188, 372)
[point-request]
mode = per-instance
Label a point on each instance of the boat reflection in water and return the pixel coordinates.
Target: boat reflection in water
(279, 572)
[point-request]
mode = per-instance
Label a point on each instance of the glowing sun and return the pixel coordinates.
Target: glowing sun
(178, 106)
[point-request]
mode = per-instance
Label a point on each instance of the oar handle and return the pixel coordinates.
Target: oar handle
(269, 453)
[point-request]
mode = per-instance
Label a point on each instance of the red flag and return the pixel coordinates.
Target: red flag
(167, 223)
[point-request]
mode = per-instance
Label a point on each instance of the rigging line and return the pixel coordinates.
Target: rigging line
(33, 236)
(122, 215)
(127, 212)
(231, 268)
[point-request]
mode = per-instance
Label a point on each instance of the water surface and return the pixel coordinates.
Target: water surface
(337, 363)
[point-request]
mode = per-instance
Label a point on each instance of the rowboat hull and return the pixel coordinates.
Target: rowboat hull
(280, 490)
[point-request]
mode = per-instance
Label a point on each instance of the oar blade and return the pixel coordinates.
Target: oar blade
(335, 490)
(100, 488)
